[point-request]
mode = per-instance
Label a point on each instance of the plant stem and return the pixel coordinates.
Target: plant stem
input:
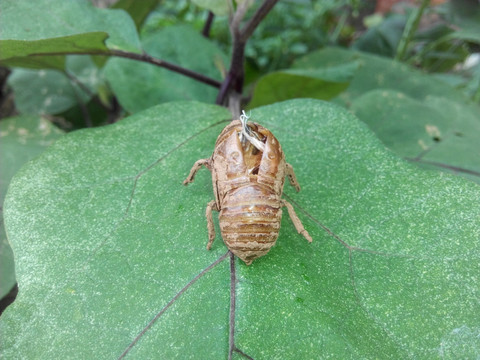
(410, 29)
(148, 59)
(259, 15)
(234, 79)
(232, 87)
(208, 24)
(165, 64)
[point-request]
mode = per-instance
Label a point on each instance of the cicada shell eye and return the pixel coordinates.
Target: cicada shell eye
(272, 156)
(234, 156)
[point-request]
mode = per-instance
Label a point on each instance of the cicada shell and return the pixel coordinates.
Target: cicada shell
(248, 174)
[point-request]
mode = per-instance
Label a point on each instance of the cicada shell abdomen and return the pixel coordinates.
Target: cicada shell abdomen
(250, 221)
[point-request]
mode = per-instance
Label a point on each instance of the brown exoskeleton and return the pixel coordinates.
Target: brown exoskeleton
(248, 172)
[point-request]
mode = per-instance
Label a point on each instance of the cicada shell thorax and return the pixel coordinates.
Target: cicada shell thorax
(248, 185)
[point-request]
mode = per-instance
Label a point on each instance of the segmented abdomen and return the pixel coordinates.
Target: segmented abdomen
(250, 220)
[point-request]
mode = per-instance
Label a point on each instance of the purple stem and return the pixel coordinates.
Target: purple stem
(235, 77)
(208, 25)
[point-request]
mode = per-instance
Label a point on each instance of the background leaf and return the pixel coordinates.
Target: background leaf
(323, 84)
(106, 236)
(60, 26)
(21, 139)
(53, 91)
(139, 85)
(436, 132)
(406, 108)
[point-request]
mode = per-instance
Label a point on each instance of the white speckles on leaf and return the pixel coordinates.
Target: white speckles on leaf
(461, 343)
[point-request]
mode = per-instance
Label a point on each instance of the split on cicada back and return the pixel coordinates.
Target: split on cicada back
(253, 143)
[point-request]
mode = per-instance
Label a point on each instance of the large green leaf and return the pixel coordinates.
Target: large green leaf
(37, 33)
(435, 132)
(106, 237)
(377, 72)
(53, 91)
(21, 139)
(322, 84)
(140, 85)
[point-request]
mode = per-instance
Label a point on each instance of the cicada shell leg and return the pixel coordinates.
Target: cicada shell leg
(296, 221)
(291, 177)
(212, 205)
(198, 164)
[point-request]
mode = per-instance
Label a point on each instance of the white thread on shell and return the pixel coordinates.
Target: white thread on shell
(246, 133)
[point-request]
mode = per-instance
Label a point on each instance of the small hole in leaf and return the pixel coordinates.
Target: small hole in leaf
(437, 138)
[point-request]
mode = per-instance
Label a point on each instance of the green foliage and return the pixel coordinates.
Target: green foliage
(449, 33)
(399, 251)
(175, 13)
(378, 72)
(292, 29)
